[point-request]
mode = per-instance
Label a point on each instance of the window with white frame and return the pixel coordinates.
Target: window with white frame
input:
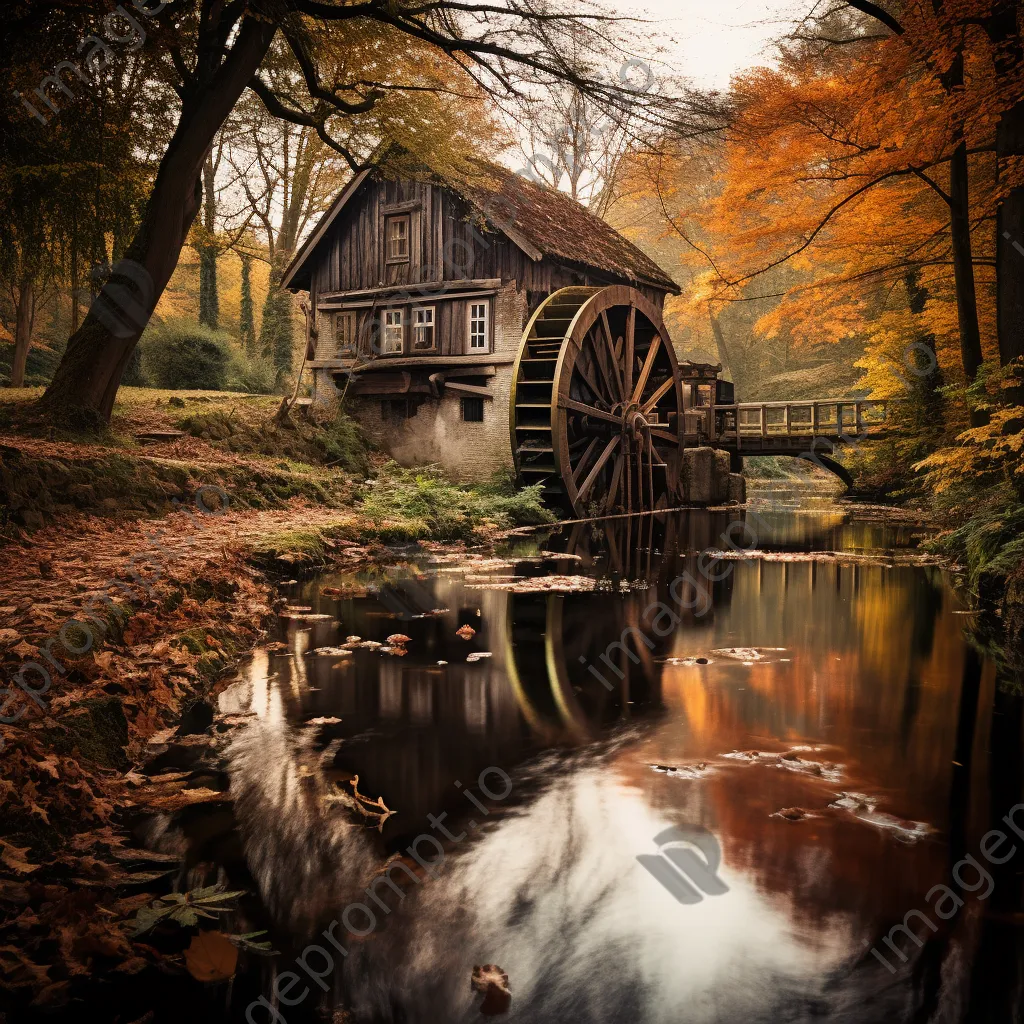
(478, 317)
(394, 333)
(423, 329)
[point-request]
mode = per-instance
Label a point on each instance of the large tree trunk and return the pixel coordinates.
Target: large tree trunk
(24, 316)
(1010, 243)
(963, 263)
(88, 376)
(926, 402)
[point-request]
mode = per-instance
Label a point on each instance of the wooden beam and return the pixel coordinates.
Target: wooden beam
(468, 389)
(445, 286)
(425, 362)
(402, 299)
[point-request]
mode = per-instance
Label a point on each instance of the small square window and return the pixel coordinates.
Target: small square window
(423, 329)
(396, 233)
(394, 332)
(473, 410)
(478, 317)
(395, 409)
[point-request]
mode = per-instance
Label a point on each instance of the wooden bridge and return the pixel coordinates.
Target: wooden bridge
(809, 430)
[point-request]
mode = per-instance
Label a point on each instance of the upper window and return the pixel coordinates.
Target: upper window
(423, 329)
(478, 325)
(396, 233)
(394, 333)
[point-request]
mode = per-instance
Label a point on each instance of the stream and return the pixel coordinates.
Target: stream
(649, 787)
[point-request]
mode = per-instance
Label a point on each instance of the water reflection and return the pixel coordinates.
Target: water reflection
(860, 681)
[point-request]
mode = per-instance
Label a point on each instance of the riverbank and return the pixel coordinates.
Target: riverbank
(136, 568)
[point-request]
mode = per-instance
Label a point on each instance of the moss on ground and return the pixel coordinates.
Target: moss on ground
(405, 505)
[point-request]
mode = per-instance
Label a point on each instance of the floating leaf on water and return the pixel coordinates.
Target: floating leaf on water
(466, 632)
(212, 956)
(493, 982)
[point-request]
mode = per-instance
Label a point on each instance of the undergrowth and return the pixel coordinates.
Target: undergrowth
(422, 504)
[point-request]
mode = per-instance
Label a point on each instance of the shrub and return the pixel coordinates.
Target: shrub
(422, 504)
(182, 355)
(252, 374)
(343, 445)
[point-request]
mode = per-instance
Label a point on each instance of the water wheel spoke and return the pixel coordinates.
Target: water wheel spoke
(595, 391)
(564, 402)
(641, 382)
(664, 435)
(613, 361)
(599, 355)
(598, 466)
(658, 395)
(584, 458)
(627, 361)
(613, 489)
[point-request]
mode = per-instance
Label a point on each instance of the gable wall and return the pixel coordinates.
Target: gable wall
(446, 246)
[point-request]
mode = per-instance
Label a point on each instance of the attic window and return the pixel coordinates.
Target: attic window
(396, 233)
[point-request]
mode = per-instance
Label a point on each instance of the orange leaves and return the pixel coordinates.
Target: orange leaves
(211, 957)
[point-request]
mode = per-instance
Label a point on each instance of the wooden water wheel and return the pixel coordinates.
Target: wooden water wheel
(596, 409)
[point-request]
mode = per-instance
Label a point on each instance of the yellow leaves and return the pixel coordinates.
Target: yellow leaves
(991, 448)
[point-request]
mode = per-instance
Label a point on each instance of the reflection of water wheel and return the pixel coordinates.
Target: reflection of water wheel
(561, 648)
(597, 408)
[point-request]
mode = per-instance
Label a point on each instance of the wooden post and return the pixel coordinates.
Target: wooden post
(814, 419)
(789, 419)
(764, 420)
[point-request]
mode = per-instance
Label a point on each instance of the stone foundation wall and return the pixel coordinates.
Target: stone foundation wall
(706, 480)
(436, 432)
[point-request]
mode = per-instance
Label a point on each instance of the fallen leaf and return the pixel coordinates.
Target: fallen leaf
(24, 649)
(211, 957)
(14, 858)
(493, 982)
(9, 636)
(466, 632)
(398, 639)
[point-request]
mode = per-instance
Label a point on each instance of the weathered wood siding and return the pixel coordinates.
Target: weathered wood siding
(447, 243)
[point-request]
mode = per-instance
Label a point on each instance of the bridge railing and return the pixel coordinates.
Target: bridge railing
(829, 418)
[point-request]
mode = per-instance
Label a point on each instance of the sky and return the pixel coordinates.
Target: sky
(709, 42)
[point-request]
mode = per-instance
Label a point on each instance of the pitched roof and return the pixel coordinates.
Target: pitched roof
(542, 221)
